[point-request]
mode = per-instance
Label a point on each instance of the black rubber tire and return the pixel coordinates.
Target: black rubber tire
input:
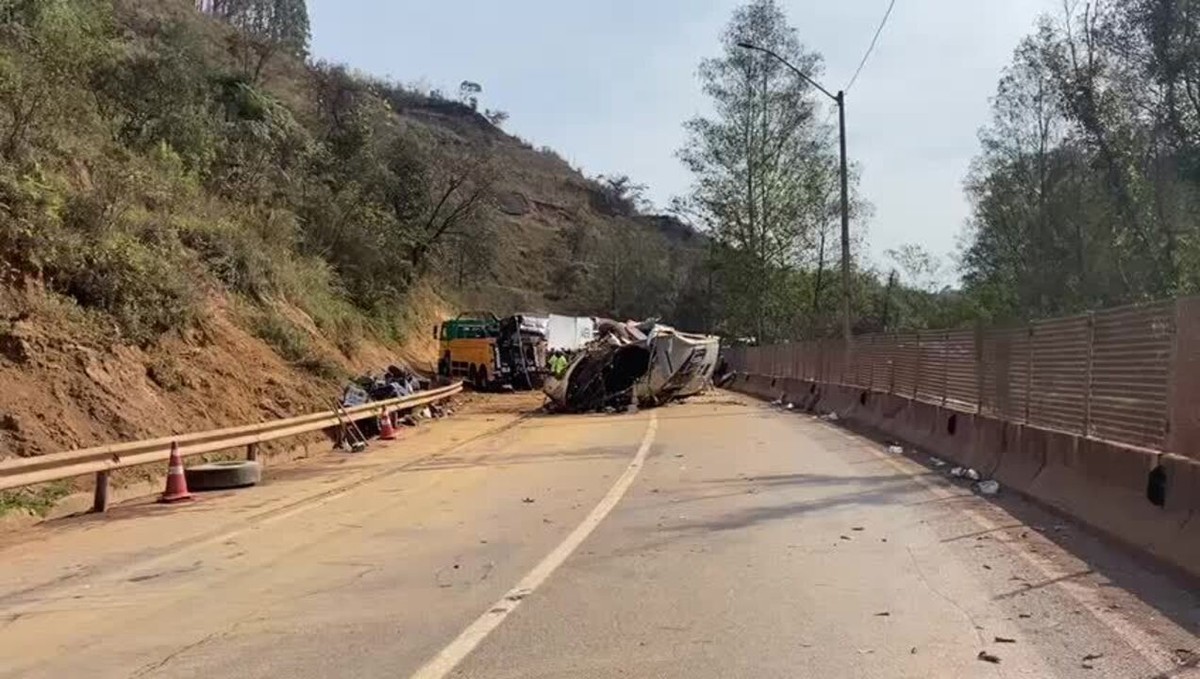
(482, 378)
(222, 475)
(472, 378)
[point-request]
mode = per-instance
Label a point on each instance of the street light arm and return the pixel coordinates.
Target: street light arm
(810, 81)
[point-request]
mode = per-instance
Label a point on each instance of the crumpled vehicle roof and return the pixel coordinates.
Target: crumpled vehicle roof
(647, 363)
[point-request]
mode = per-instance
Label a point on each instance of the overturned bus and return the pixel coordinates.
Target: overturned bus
(644, 363)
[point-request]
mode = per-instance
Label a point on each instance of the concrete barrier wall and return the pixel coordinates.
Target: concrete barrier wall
(1144, 498)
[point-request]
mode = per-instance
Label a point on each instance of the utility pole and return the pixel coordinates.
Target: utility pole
(841, 104)
(840, 100)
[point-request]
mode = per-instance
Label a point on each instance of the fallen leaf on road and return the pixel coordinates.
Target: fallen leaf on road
(1004, 640)
(988, 657)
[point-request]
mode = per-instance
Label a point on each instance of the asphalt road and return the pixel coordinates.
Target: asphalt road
(718, 538)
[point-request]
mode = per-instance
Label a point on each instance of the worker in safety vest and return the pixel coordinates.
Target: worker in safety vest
(558, 364)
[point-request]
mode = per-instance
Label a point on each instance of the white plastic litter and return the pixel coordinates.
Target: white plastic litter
(988, 487)
(896, 450)
(973, 475)
(937, 462)
(958, 472)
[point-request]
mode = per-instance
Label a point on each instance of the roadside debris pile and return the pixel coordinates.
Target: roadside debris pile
(981, 485)
(633, 364)
(395, 382)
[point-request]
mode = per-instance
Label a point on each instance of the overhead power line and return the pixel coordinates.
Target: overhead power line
(871, 48)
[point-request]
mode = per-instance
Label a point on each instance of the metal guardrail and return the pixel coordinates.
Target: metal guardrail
(101, 460)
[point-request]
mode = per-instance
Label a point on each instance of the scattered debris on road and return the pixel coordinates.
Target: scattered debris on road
(895, 450)
(883, 614)
(1186, 657)
(988, 657)
(858, 528)
(1092, 656)
(528, 500)
(965, 473)
(936, 462)
(990, 487)
(1004, 640)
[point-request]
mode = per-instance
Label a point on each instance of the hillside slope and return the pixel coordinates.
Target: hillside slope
(183, 246)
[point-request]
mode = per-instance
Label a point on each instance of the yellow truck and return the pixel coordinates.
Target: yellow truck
(489, 352)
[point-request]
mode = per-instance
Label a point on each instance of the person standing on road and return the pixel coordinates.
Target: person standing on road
(558, 364)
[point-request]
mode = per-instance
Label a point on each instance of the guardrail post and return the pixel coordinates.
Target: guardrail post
(100, 497)
(252, 452)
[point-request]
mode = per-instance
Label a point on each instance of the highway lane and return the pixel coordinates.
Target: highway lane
(749, 542)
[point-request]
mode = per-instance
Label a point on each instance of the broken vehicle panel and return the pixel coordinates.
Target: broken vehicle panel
(647, 364)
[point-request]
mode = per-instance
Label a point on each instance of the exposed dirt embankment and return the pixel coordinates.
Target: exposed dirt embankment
(64, 386)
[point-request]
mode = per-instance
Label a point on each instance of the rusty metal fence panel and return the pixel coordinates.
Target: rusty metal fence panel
(1058, 381)
(961, 374)
(906, 359)
(1131, 353)
(1105, 374)
(931, 371)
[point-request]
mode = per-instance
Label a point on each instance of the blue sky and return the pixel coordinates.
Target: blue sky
(609, 84)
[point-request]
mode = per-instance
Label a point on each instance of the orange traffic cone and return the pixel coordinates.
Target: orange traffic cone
(176, 490)
(386, 431)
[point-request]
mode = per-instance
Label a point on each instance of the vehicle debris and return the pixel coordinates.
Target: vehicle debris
(965, 473)
(647, 364)
(990, 487)
(988, 657)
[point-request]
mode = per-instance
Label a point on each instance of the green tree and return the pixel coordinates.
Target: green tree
(761, 165)
(266, 28)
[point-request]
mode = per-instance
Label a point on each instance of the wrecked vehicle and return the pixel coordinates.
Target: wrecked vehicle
(634, 363)
(491, 352)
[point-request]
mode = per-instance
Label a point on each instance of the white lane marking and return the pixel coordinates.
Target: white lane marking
(444, 662)
(1139, 640)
